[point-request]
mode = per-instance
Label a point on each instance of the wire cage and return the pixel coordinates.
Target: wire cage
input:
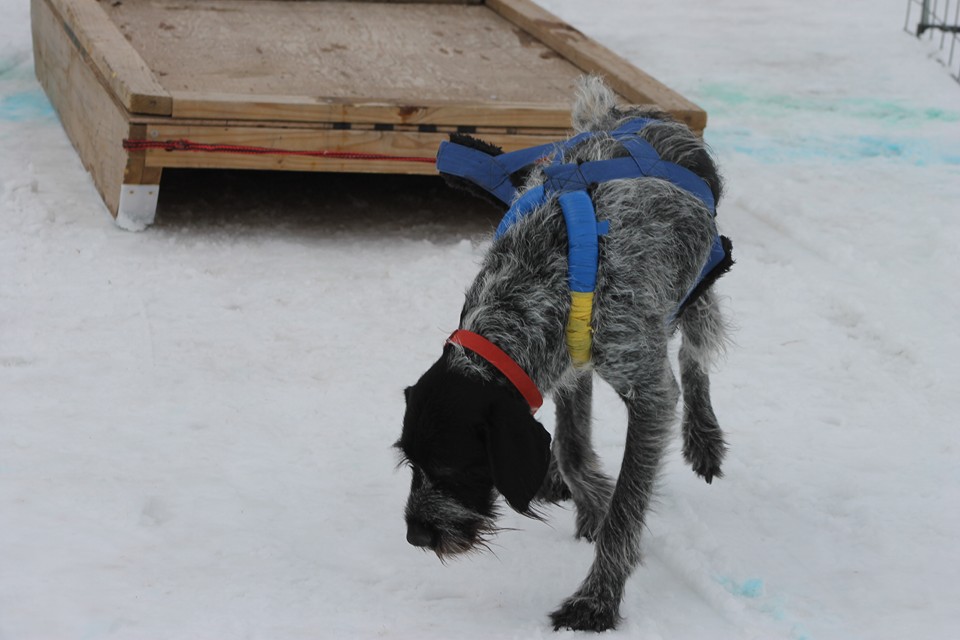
(937, 22)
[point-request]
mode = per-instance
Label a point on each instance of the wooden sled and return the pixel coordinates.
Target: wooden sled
(309, 85)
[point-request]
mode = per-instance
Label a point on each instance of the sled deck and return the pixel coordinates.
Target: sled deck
(309, 85)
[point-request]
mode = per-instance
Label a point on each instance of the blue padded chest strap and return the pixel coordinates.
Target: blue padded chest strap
(583, 249)
(491, 173)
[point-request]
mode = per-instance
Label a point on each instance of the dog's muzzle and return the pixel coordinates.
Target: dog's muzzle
(420, 536)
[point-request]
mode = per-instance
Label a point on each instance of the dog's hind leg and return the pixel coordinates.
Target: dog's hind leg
(643, 379)
(575, 458)
(703, 339)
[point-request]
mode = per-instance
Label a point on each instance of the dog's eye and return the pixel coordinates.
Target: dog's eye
(446, 476)
(455, 478)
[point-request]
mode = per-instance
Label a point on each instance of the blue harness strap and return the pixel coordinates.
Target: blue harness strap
(583, 249)
(571, 183)
(492, 173)
(643, 161)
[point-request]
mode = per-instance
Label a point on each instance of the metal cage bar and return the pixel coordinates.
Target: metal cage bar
(934, 16)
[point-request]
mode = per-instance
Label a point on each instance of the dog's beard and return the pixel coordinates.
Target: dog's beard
(457, 528)
(466, 534)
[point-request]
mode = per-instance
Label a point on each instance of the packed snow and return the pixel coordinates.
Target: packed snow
(196, 420)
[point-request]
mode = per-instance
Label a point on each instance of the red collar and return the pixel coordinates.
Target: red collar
(504, 363)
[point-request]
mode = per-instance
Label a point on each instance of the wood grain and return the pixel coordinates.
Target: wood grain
(108, 53)
(387, 59)
(590, 56)
(391, 78)
(94, 122)
(361, 110)
(394, 143)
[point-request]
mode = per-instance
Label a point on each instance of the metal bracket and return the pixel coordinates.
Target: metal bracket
(138, 206)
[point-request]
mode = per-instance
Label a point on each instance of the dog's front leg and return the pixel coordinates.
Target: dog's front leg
(577, 462)
(596, 604)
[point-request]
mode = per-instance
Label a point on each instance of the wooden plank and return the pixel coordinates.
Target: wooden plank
(393, 143)
(369, 111)
(391, 61)
(408, 1)
(624, 78)
(342, 62)
(120, 67)
(553, 133)
(136, 171)
(94, 122)
(330, 165)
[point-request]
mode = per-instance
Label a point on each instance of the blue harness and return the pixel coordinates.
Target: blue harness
(571, 182)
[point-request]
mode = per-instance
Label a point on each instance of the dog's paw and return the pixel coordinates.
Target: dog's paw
(586, 613)
(704, 449)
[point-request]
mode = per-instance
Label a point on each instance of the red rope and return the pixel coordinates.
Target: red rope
(187, 145)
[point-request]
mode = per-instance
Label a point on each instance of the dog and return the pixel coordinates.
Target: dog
(468, 431)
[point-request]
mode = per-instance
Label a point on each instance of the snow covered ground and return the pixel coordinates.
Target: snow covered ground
(195, 420)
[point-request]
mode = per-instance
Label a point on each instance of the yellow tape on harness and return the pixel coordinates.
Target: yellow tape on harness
(579, 333)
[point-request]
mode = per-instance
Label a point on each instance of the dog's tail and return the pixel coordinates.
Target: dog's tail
(595, 106)
(595, 109)
(704, 340)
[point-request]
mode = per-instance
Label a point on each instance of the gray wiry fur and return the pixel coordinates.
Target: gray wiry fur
(460, 528)
(659, 239)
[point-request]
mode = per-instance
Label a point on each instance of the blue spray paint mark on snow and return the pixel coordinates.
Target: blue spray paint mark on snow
(735, 99)
(840, 149)
(863, 129)
(26, 105)
(754, 589)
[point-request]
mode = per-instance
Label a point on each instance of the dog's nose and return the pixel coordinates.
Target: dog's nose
(419, 535)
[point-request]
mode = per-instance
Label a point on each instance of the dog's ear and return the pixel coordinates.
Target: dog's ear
(518, 448)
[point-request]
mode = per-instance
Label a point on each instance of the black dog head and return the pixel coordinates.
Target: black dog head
(466, 439)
